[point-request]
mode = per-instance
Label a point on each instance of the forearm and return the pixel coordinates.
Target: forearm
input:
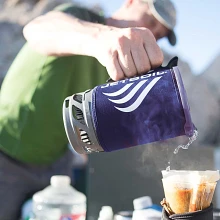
(125, 52)
(59, 34)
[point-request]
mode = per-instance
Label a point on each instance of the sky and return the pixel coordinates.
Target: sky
(197, 30)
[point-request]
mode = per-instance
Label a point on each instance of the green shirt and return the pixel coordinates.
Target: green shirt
(32, 94)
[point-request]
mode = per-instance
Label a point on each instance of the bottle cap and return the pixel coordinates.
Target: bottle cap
(123, 215)
(142, 202)
(60, 180)
(106, 213)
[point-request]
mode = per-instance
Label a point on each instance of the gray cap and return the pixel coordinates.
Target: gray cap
(165, 12)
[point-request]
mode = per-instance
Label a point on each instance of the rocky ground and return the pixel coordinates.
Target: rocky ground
(14, 14)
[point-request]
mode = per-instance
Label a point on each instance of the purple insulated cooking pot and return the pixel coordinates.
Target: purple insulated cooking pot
(136, 111)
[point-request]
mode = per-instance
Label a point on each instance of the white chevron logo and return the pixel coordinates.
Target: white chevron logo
(131, 94)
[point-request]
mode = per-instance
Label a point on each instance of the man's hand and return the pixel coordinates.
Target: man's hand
(128, 52)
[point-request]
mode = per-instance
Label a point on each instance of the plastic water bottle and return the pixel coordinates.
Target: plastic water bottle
(59, 201)
(144, 209)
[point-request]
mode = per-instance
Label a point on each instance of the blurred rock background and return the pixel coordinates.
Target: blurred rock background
(203, 90)
(14, 14)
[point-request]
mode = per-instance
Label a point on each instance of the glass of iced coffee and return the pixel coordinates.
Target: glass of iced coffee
(189, 191)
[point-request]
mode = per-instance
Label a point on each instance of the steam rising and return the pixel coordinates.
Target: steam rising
(157, 156)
